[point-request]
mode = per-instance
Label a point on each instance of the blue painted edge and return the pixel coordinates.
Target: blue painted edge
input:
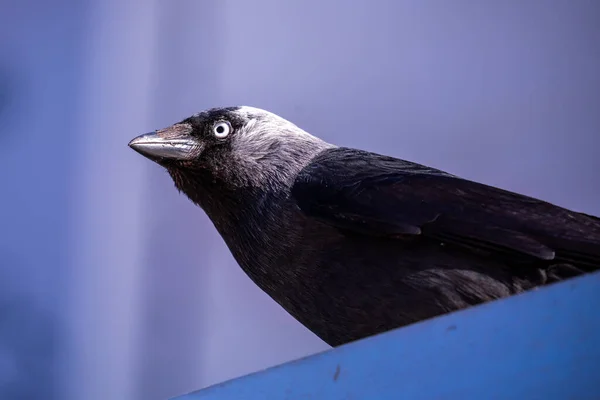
(542, 344)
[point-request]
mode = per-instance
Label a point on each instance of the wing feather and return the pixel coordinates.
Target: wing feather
(371, 194)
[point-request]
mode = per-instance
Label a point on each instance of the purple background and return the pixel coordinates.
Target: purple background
(114, 286)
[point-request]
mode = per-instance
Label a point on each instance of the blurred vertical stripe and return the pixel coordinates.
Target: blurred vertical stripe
(107, 204)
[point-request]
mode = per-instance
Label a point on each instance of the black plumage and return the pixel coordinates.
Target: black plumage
(353, 243)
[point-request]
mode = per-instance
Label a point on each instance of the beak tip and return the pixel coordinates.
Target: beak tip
(134, 143)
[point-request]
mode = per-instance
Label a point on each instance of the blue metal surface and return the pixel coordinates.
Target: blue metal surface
(544, 344)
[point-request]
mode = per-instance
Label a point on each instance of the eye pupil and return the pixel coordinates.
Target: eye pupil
(221, 129)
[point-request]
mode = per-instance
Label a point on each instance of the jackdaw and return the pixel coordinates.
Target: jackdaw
(353, 243)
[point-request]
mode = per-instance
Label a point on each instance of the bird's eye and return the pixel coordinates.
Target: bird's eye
(222, 129)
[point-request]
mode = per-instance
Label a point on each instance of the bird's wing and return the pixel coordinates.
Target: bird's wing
(371, 194)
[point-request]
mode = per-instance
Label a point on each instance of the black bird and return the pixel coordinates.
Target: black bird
(353, 243)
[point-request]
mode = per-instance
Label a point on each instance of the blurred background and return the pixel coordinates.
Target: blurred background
(114, 286)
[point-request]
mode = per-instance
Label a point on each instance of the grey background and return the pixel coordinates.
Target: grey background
(112, 285)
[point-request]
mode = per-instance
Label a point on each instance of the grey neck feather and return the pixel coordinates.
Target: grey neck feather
(269, 151)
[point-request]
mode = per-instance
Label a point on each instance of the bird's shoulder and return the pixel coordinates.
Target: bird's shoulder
(345, 174)
(377, 195)
(342, 163)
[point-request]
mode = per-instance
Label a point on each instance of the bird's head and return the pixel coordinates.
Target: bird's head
(230, 149)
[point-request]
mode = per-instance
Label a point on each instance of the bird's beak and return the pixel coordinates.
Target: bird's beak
(172, 143)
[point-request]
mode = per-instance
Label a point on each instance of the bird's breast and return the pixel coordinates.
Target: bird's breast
(343, 286)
